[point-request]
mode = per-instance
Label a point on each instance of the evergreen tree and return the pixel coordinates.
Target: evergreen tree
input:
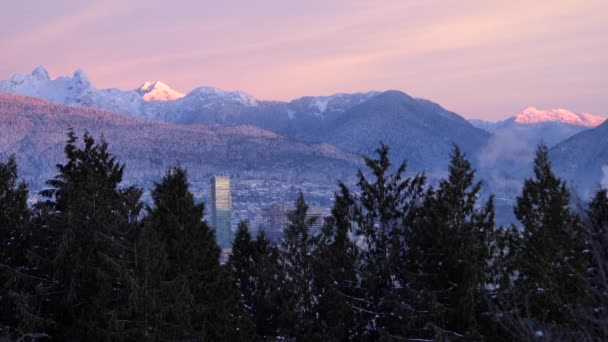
(242, 264)
(268, 302)
(297, 248)
(185, 294)
(595, 316)
(83, 246)
(550, 255)
(381, 214)
(335, 271)
(255, 271)
(449, 254)
(598, 212)
(14, 220)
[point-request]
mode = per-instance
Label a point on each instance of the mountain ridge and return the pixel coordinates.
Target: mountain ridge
(337, 119)
(34, 130)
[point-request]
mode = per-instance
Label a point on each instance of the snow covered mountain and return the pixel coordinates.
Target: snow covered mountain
(551, 126)
(150, 101)
(583, 159)
(34, 130)
(158, 91)
(531, 115)
(507, 158)
(418, 130)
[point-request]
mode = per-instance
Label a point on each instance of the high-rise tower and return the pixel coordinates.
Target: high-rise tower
(221, 208)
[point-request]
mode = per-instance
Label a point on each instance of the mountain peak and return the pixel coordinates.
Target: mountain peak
(158, 91)
(41, 74)
(224, 95)
(81, 79)
(532, 115)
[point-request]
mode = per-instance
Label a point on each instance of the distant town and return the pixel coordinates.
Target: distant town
(263, 203)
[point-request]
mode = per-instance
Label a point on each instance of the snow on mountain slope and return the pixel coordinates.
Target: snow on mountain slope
(507, 157)
(532, 115)
(322, 106)
(487, 126)
(39, 84)
(583, 160)
(418, 130)
(158, 91)
(151, 101)
(35, 131)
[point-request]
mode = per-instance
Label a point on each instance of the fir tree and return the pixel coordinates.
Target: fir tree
(86, 245)
(449, 253)
(298, 290)
(550, 255)
(242, 264)
(381, 213)
(595, 316)
(14, 229)
(335, 271)
(255, 271)
(268, 300)
(598, 212)
(191, 295)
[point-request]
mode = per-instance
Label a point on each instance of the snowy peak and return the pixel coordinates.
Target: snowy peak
(319, 106)
(41, 74)
(532, 115)
(158, 91)
(211, 96)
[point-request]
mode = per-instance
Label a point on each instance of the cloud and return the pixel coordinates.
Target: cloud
(62, 27)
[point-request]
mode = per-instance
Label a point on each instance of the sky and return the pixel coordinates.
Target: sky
(481, 59)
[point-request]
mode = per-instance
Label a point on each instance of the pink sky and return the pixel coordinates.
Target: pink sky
(482, 59)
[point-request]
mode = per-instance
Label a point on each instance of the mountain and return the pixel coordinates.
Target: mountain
(158, 91)
(417, 130)
(507, 157)
(34, 130)
(583, 159)
(532, 115)
(551, 126)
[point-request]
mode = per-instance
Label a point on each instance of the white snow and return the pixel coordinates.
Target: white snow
(152, 100)
(158, 91)
(532, 115)
(321, 104)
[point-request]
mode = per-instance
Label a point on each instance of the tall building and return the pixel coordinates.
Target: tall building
(315, 217)
(275, 220)
(221, 209)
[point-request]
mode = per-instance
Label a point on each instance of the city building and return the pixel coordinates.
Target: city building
(315, 217)
(275, 220)
(221, 209)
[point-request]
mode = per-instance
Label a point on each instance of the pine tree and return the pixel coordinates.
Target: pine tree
(381, 214)
(83, 245)
(335, 271)
(269, 302)
(14, 228)
(551, 252)
(449, 253)
(595, 315)
(190, 293)
(255, 271)
(598, 211)
(298, 289)
(242, 264)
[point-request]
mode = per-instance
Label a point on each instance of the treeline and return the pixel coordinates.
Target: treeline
(397, 260)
